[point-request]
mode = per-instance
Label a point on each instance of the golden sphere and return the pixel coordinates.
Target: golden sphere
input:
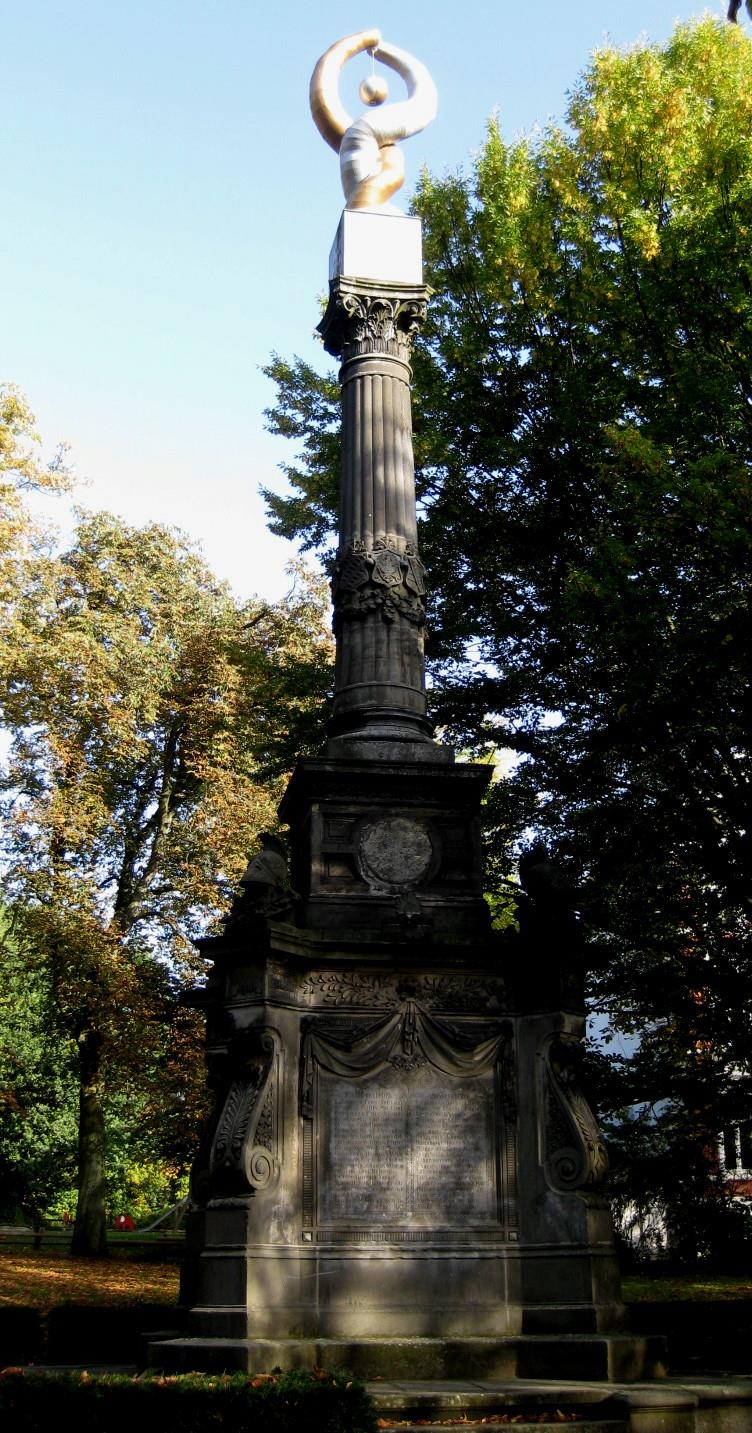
(373, 90)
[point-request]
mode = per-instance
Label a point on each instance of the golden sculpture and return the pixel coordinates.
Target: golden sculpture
(372, 168)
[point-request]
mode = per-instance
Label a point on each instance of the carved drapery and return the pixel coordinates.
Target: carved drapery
(405, 1039)
(575, 1156)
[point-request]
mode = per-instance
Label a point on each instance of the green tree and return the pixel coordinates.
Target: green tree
(37, 1090)
(151, 716)
(583, 417)
(153, 1106)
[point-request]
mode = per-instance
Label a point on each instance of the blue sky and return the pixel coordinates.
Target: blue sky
(169, 208)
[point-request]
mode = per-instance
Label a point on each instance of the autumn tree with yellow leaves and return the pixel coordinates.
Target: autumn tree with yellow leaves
(151, 718)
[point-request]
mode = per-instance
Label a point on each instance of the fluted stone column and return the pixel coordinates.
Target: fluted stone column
(378, 585)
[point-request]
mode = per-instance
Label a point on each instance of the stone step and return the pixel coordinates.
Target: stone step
(579, 1357)
(711, 1405)
(470, 1404)
(584, 1425)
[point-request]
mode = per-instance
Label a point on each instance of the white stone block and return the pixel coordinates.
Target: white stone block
(370, 245)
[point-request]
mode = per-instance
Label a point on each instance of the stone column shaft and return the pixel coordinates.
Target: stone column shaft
(378, 586)
(378, 485)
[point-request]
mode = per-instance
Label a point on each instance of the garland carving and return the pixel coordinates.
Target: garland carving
(379, 579)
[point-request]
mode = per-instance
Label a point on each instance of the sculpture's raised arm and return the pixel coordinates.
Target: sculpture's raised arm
(371, 167)
(398, 121)
(329, 113)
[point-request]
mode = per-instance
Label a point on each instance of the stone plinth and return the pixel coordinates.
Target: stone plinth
(402, 1170)
(387, 852)
(402, 1173)
(381, 248)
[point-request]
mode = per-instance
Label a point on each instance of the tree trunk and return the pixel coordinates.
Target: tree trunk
(90, 1230)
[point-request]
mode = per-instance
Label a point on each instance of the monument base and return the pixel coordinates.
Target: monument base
(601, 1357)
(401, 1175)
(673, 1405)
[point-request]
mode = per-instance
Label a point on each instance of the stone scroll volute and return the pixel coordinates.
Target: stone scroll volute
(245, 1153)
(574, 1154)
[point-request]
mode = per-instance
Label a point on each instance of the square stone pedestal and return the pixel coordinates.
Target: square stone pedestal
(402, 1172)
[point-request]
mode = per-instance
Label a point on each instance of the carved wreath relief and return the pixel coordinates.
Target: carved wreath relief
(381, 580)
(394, 852)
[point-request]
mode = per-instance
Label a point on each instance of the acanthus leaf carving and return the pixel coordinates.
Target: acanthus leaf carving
(359, 321)
(244, 1153)
(575, 1154)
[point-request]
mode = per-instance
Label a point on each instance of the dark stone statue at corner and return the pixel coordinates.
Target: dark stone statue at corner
(552, 952)
(265, 884)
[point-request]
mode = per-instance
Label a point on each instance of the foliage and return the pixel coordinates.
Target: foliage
(323, 1402)
(307, 412)
(153, 1112)
(21, 470)
(38, 1105)
(150, 718)
(583, 426)
(145, 703)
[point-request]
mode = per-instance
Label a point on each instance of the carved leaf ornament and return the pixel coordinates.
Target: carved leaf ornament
(357, 323)
(375, 323)
(243, 1154)
(442, 992)
(405, 1039)
(575, 1155)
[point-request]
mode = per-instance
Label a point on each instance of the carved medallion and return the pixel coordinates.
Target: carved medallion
(394, 852)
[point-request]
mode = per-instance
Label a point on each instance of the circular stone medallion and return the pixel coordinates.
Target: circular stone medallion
(395, 851)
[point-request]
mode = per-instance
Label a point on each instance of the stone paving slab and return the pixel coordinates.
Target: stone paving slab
(715, 1404)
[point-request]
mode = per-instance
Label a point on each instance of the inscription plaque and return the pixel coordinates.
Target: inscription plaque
(413, 1148)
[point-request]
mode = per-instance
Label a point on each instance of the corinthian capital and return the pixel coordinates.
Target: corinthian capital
(365, 317)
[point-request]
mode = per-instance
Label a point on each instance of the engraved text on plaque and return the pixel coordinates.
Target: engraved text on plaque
(407, 1147)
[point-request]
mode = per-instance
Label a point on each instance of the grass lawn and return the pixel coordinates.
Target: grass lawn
(646, 1288)
(42, 1278)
